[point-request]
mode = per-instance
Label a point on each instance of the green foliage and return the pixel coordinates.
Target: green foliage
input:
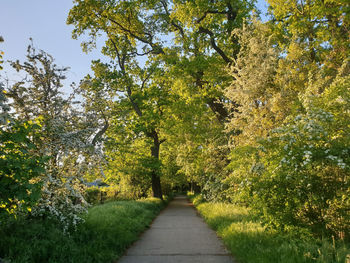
(263, 103)
(249, 241)
(172, 178)
(129, 165)
(21, 168)
(214, 162)
(20, 164)
(108, 230)
(290, 160)
(93, 195)
(175, 97)
(100, 195)
(299, 175)
(312, 31)
(196, 199)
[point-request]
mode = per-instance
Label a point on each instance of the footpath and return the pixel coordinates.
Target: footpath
(178, 235)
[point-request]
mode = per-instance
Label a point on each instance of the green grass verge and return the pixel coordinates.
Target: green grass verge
(108, 230)
(250, 242)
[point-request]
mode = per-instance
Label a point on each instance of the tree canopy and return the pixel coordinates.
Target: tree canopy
(198, 95)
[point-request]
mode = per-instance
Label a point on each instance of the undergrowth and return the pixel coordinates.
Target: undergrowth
(107, 232)
(250, 242)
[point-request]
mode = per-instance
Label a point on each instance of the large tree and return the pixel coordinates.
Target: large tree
(137, 106)
(190, 40)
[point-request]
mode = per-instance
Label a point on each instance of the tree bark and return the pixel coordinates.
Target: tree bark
(219, 109)
(156, 186)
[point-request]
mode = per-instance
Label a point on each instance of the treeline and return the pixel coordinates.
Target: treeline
(199, 92)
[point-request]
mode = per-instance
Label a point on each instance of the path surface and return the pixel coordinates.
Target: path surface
(178, 235)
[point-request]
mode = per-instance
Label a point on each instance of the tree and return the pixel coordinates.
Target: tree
(63, 137)
(191, 41)
(263, 103)
(138, 109)
(311, 34)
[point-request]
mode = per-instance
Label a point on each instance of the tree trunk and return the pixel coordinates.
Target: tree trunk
(156, 186)
(219, 109)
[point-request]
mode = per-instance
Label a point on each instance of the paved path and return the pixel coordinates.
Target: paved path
(178, 235)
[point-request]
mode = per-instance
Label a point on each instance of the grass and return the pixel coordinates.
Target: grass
(250, 242)
(108, 231)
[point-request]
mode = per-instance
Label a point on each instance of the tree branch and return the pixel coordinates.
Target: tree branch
(231, 15)
(218, 108)
(101, 132)
(213, 44)
(121, 62)
(156, 49)
(210, 12)
(145, 79)
(178, 27)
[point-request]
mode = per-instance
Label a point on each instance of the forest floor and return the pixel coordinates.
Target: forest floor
(178, 234)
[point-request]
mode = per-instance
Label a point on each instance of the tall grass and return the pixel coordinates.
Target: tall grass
(108, 230)
(250, 242)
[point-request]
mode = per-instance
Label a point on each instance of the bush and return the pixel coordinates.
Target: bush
(20, 168)
(93, 195)
(304, 179)
(62, 200)
(198, 199)
(300, 175)
(100, 195)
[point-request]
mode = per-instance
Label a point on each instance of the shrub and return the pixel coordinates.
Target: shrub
(20, 167)
(62, 200)
(93, 195)
(99, 195)
(299, 174)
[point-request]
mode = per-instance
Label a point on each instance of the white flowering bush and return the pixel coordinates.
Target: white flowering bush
(62, 199)
(307, 170)
(63, 138)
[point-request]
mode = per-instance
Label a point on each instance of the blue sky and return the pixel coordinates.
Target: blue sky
(45, 22)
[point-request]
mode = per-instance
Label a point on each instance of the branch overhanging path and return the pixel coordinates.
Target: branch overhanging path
(178, 235)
